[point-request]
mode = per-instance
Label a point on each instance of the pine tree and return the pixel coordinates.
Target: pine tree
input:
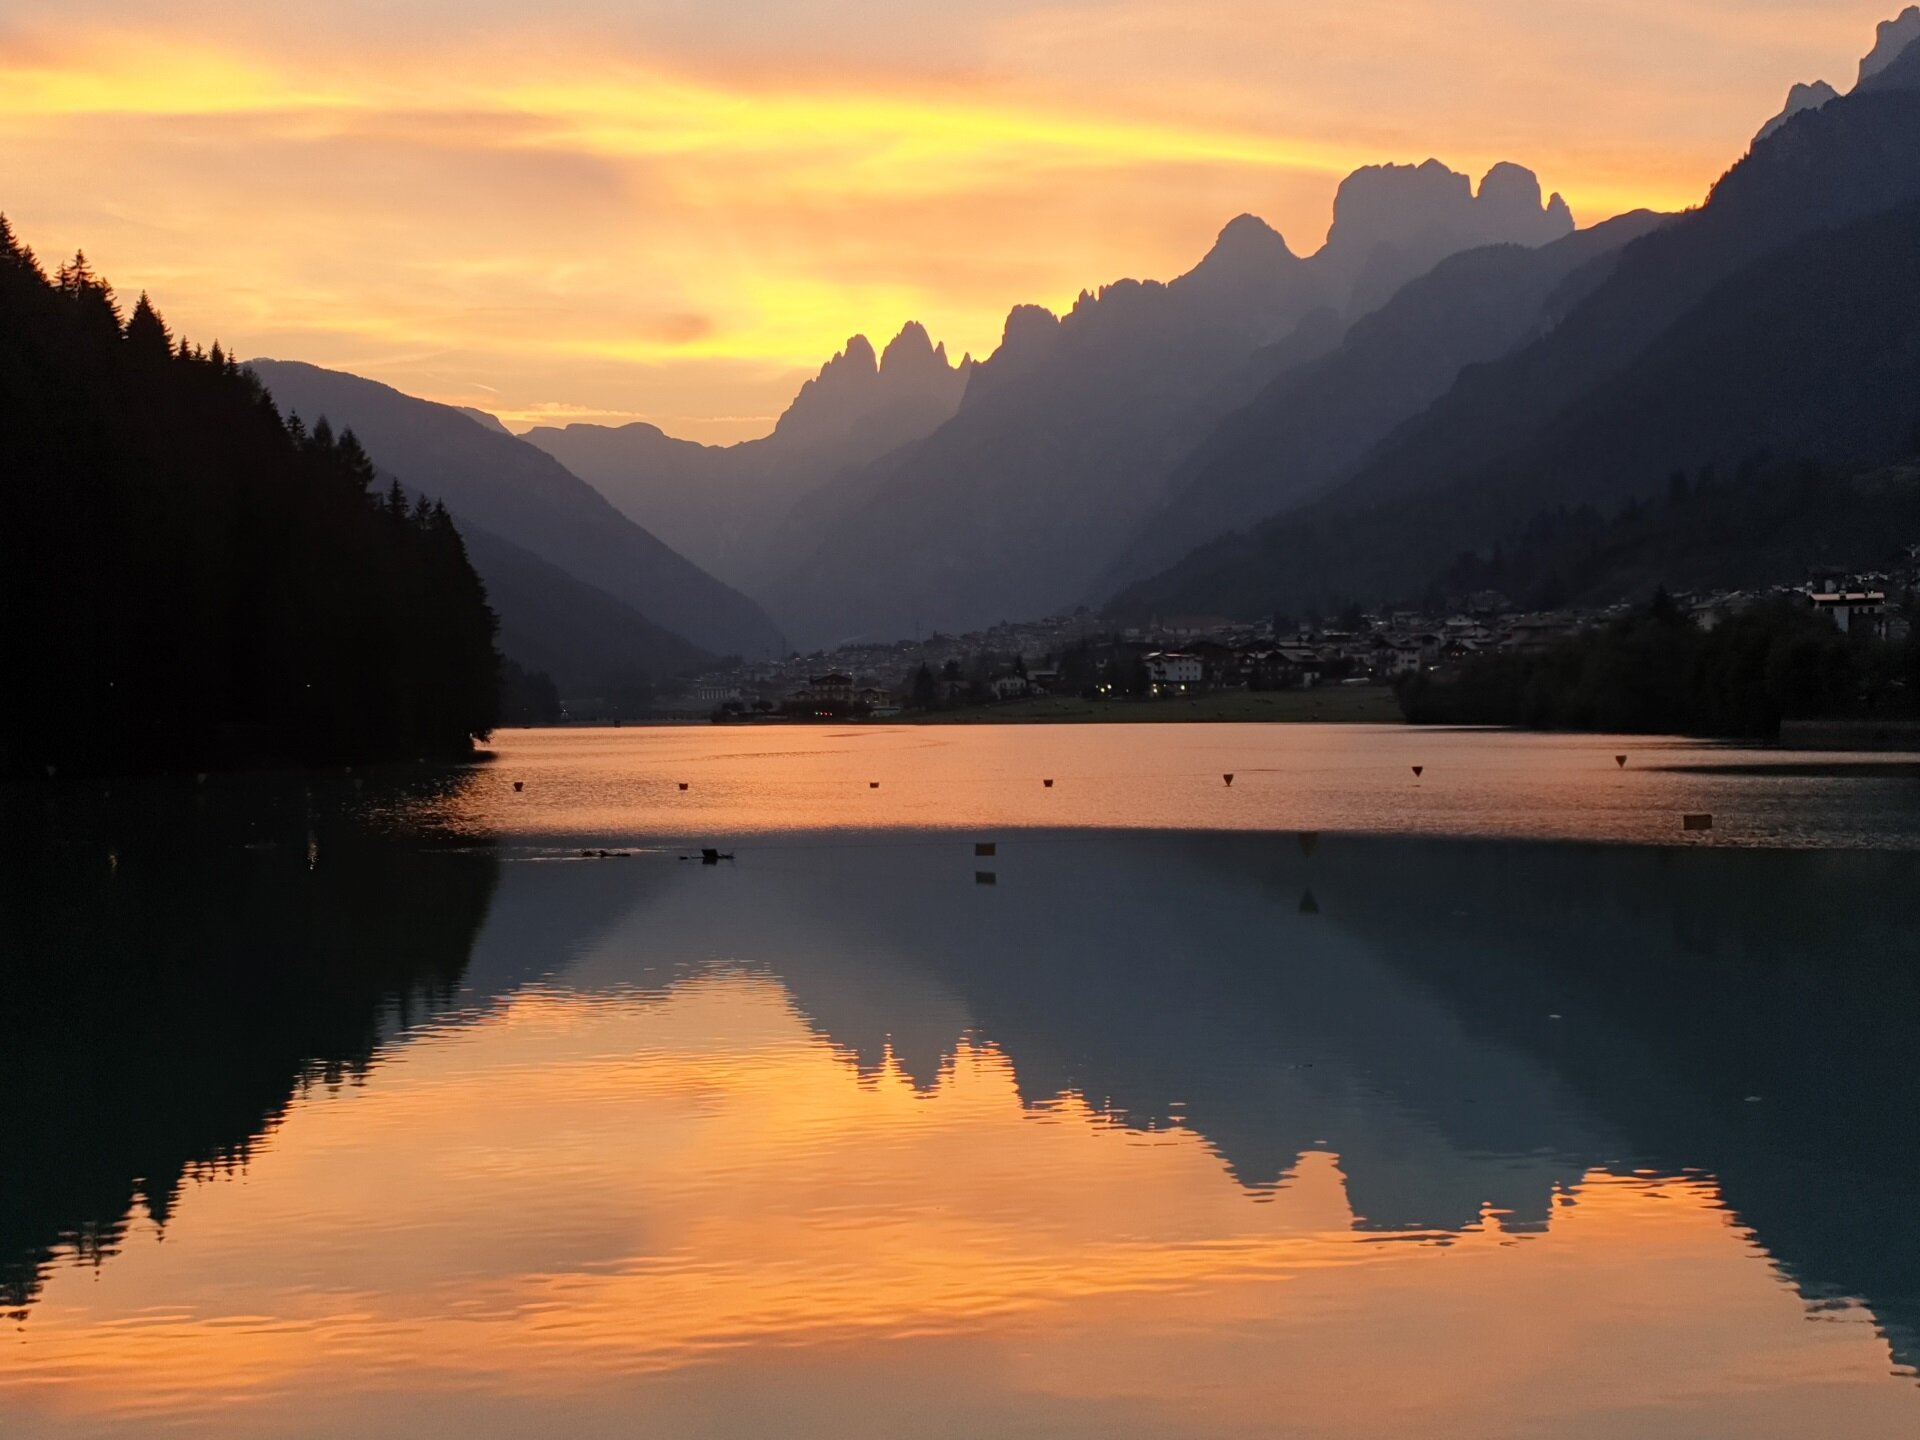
(147, 335)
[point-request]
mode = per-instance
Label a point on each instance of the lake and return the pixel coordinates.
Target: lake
(1337, 1101)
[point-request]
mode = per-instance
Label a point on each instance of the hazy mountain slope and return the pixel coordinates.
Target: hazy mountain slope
(1851, 158)
(589, 642)
(1394, 222)
(1799, 98)
(686, 493)
(508, 487)
(1068, 432)
(1812, 352)
(484, 418)
(1316, 420)
(720, 506)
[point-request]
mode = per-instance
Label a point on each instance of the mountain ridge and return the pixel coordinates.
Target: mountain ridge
(1068, 429)
(511, 488)
(1509, 438)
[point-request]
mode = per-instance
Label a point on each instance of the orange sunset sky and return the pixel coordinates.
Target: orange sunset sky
(672, 210)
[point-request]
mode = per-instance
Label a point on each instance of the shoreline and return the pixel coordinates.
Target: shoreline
(1332, 705)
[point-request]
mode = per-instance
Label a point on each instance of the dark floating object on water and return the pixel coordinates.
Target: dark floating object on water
(985, 877)
(518, 786)
(1047, 783)
(1229, 780)
(1621, 761)
(1418, 771)
(985, 847)
(1309, 905)
(683, 784)
(873, 784)
(713, 857)
(1308, 839)
(1696, 822)
(606, 855)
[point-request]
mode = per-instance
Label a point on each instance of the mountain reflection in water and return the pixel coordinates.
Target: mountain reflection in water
(177, 968)
(1476, 1034)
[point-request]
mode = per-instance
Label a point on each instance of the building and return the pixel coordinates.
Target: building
(1853, 612)
(833, 688)
(1173, 672)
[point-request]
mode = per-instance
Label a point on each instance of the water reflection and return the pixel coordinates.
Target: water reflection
(179, 965)
(1135, 1109)
(1470, 1027)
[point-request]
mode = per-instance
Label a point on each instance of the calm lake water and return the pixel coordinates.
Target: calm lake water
(1337, 1102)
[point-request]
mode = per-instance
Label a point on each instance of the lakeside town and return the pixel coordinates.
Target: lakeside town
(1081, 657)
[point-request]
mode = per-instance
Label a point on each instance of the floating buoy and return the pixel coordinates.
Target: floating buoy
(873, 784)
(683, 784)
(1621, 761)
(985, 877)
(1229, 780)
(1308, 839)
(1418, 771)
(1047, 783)
(1309, 905)
(985, 847)
(518, 786)
(1696, 822)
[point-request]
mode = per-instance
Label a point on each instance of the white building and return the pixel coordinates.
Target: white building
(1853, 612)
(1171, 671)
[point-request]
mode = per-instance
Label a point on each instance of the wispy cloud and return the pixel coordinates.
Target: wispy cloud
(676, 209)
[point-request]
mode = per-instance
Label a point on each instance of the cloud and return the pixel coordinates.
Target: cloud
(667, 195)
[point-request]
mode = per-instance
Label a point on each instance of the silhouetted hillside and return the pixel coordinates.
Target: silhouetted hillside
(1069, 431)
(516, 491)
(244, 944)
(1315, 420)
(1697, 349)
(187, 581)
(721, 506)
(588, 642)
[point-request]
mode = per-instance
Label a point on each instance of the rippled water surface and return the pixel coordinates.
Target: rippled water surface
(1337, 1102)
(606, 785)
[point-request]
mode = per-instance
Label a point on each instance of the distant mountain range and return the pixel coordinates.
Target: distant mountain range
(1781, 320)
(1269, 430)
(1315, 419)
(580, 589)
(1067, 434)
(722, 506)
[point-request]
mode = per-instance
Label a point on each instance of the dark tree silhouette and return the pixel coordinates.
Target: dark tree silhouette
(187, 580)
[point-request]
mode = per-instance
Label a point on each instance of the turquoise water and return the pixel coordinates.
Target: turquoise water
(1332, 1103)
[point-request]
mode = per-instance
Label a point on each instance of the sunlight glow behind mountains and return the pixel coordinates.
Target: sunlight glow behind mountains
(658, 211)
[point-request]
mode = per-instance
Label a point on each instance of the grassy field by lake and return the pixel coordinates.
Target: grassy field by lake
(1340, 704)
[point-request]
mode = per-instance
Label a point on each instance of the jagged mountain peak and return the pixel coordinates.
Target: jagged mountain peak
(1248, 235)
(856, 385)
(1028, 322)
(857, 357)
(912, 356)
(1393, 222)
(1891, 41)
(1800, 98)
(1381, 201)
